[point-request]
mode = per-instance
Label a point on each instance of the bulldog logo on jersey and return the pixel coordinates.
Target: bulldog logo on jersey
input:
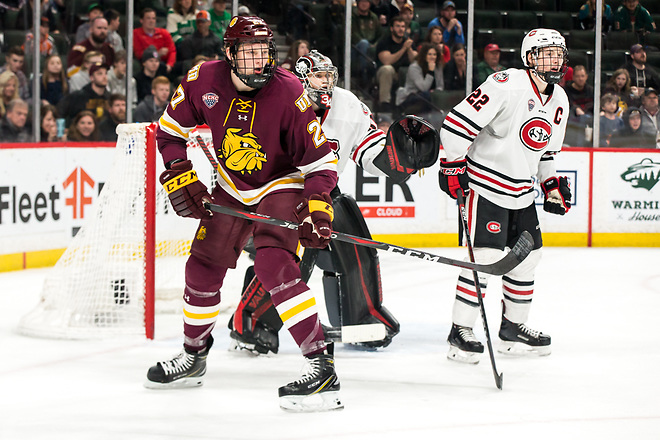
(210, 99)
(242, 152)
(535, 134)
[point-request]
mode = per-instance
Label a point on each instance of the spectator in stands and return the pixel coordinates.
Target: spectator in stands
(98, 32)
(46, 42)
(243, 11)
(115, 115)
(609, 121)
(152, 107)
(365, 33)
(220, 18)
(632, 135)
(113, 17)
(117, 77)
(435, 36)
(413, 29)
(181, 19)
(49, 124)
(199, 59)
(490, 63)
(14, 61)
(52, 10)
(8, 90)
(452, 29)
(202, 41)
(151, 68)
(619, 85)
(395, 8)
(94, 96)
(423, 77)
(454, 71)
(382, 10)
(650, 114)
(587, 16)
(13, 126)
(633, 17)
(94, 11)
(54, 84)
(81, 78)
(84, 128)
(393, 52)
(641, 75)
(150, 35)
(581, 100)
(298, 48)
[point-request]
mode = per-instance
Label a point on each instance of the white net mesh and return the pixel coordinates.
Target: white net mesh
(97, 288)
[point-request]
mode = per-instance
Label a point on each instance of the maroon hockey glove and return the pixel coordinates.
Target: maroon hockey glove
(453, 176)
(186, 193)
(557, 195)
(315, 216)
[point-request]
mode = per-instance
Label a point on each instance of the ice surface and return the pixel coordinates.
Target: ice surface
(602, 381)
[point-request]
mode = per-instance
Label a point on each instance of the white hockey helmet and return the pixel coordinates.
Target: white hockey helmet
(537, 39)
(311, 64)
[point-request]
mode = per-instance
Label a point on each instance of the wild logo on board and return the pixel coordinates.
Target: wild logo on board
(645, 174)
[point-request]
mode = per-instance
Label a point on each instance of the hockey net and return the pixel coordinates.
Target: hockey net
(127, 262)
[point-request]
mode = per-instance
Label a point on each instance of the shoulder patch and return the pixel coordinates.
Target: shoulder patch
(501, 77)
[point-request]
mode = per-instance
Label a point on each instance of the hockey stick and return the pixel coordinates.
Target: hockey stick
(466, 232)
(508, 262)
(356, 333)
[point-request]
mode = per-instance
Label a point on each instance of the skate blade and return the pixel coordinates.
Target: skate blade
(326, 401)
(466, 357)
(243, 348)
(521, 350)
(186, 382)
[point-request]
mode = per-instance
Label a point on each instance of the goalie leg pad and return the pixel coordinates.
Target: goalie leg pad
(357, 271)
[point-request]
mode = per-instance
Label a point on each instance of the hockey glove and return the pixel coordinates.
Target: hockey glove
(187, 194)
(557, 195)
(453, 176)
(315, 216)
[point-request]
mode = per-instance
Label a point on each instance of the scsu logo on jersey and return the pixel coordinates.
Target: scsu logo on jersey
(535, 133)
(501, 77)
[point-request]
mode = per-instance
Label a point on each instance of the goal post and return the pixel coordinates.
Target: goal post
(127, 261)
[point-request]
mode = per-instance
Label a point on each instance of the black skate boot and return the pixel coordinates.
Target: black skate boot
(317, 389)
(186, 370)
(463, 345)
(520, 340)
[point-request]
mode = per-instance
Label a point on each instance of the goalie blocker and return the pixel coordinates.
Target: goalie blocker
(351, 282)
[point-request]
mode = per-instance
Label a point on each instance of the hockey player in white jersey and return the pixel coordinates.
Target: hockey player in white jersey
(496, 140)
(351, 274)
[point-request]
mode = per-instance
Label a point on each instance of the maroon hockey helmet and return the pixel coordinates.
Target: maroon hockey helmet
(251, 30)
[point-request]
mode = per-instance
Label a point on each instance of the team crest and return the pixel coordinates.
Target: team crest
(210, 99)
(535, 134)
(242, 152)
(501, 77)
(530, 105)
(494, 227)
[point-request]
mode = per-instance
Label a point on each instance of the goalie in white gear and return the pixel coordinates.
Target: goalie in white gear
(351, 274)
(497, 140)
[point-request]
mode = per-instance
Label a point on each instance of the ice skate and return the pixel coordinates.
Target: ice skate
(258, 342)
(463, 345)
(316, 390)
(520, 340)
(186, 370)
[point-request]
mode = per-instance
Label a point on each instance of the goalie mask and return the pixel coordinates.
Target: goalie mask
(252, 51)
(547, 48)
(319, 77)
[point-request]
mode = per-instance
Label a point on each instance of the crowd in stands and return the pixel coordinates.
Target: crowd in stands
(406, 56)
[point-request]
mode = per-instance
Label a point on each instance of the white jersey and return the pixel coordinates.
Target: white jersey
(352, 132)
(510, 133)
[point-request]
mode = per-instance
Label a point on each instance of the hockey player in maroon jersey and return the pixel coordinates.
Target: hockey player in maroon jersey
(351, 274)
(273, 159)
(497, 139)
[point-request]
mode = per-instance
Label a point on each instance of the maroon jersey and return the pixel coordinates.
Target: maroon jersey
(269, 142)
